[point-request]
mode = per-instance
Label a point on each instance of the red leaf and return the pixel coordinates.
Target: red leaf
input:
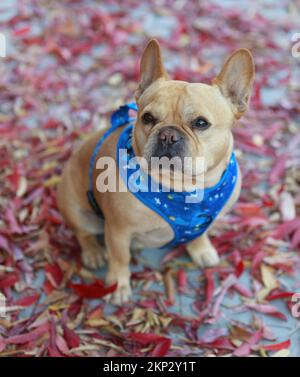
(21, 31)
(14, 177)
(9, 280)
(162, 348)
(52, 348)
(221, 343)
(278, 346)
(239, 268)
(279, 295)
(94, 290)
(248, 209)
(71, 337)
(48, 287)
(53, 352)
(182, 280)
(210, 286)
(145, 338)
(54, 273)
(28, 300)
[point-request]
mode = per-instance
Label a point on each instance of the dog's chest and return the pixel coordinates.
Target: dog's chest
(155, 233)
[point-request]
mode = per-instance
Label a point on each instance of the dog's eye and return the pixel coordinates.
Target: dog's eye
(201, 124)
(148, 118)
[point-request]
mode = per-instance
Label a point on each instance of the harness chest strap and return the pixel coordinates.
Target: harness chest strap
(119, 118)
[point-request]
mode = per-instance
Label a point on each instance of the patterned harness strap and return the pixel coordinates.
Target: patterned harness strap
(118, 119)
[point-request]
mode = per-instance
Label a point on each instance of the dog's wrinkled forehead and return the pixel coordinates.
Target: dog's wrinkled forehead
(164, 100)
(179, 102)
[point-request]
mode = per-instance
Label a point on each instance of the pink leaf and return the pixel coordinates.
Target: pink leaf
(245, 348)
(30, 336)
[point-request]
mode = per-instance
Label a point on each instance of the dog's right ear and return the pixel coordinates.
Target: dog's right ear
(151, 68)
(235, 80)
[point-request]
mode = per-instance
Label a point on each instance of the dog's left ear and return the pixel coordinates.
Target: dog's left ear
(235, 80)
(151, 68)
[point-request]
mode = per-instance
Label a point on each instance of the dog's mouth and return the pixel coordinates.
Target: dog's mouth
(166, 149)
(168, 153)
(167, 160)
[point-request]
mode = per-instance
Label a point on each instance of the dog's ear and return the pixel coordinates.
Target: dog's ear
(235, 80)
(151, 68)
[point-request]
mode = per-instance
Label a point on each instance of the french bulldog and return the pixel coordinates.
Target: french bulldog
(174, 118)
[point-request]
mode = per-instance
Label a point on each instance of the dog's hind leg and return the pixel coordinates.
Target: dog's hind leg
(88, 227)
(89, 231)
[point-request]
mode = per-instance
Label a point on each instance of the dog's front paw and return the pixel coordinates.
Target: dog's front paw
(207, 257)
(120, 296)
(123, 292)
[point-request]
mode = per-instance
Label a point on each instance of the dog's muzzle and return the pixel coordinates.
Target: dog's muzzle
(170, 143)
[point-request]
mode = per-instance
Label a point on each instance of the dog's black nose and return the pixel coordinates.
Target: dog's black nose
(169, 135)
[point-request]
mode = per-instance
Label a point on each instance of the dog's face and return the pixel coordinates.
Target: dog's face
(180, 119)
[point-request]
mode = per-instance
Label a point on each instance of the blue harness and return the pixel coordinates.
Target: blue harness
(187, 218)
